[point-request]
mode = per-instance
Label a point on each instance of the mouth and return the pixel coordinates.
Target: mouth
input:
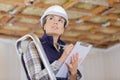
(55, 27)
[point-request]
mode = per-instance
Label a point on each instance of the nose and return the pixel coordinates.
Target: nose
(55, 21)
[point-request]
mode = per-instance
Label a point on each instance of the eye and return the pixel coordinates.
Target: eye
(61, 20)
(50, 18)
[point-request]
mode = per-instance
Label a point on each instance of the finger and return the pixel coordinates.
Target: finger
(72, 59)
(75, 58)
(69, 46)
(68, 49)
(69, 66)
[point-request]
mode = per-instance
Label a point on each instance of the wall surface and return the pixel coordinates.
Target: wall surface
(10, 67)
(100, 64)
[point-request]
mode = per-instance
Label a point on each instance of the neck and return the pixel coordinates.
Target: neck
(55, 39)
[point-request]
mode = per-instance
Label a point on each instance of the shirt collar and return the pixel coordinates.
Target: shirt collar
(49, 40)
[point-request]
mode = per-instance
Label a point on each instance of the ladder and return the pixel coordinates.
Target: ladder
(41, 52)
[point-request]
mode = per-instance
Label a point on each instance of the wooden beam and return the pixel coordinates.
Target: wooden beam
(9, 36)
(18, 9)
(26, 16)
(98, 9)
(13, 32)
(3, 13)
(27, 25)
(5, 19)
(41, 4)
(95, 11)
(70, 3)
(96, 2)
(16, 2)
(112, 2)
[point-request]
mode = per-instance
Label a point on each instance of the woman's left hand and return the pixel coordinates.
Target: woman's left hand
(73, 65)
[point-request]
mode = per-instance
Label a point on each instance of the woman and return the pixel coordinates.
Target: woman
(53, 21)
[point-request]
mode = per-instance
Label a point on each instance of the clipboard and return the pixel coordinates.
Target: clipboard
(83, 49)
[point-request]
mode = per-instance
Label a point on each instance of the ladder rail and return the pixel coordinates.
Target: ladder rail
(40, 51)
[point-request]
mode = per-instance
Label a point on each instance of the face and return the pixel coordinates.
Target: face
(54, 25)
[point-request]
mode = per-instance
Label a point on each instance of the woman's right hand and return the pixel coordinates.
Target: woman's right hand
(66, 53)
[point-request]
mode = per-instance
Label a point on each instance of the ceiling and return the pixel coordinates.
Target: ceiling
(93, 21)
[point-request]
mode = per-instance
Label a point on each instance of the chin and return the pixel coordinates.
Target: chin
(52, 34)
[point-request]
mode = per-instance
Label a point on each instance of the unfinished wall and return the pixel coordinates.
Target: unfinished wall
(100, 64)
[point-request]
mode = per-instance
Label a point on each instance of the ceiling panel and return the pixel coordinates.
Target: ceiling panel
(93, 21)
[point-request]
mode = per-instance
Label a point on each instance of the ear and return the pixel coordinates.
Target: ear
(44, 28)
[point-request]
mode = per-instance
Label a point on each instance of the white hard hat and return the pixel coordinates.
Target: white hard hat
(56, 10)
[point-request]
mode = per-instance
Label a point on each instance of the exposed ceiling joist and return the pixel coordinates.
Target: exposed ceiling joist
(93, 21)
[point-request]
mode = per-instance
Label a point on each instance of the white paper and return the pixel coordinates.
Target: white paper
(82, 49)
